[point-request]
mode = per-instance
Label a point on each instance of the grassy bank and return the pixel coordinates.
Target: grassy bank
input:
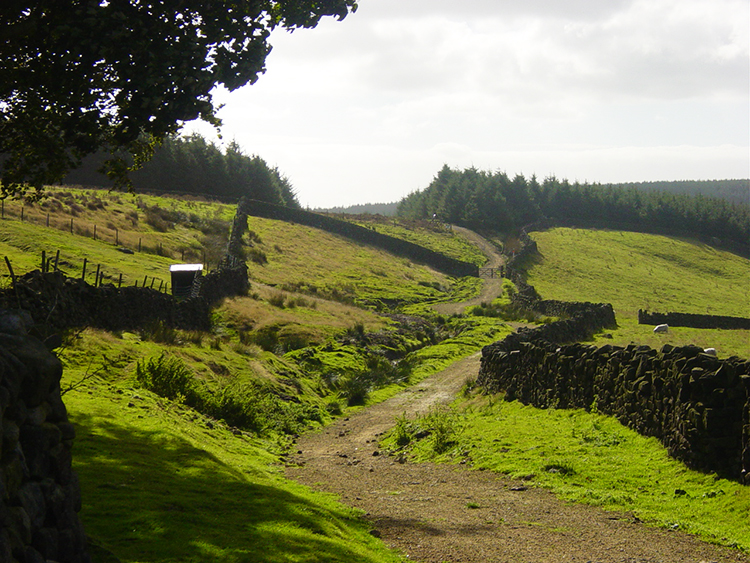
(582, 457)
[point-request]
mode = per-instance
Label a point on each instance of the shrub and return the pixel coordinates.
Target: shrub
(168, 377)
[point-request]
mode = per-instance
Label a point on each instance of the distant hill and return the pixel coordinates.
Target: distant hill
(386, 209)
(733, 191)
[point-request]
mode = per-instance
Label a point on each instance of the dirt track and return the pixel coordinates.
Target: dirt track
(423, 509)
(430, 512)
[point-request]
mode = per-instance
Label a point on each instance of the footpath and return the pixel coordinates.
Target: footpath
(428, 511)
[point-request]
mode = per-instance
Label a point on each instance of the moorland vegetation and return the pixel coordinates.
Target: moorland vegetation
(181, 434)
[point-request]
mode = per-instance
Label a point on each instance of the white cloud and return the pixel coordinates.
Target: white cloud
(370, 108)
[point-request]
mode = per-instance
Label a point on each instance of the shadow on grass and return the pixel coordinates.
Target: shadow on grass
(150, 496)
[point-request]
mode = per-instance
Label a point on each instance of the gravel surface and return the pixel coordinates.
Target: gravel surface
(437, 513)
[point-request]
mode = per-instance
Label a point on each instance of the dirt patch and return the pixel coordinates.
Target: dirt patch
(436, 513)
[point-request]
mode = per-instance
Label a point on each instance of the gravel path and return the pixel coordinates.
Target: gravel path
(423, 509)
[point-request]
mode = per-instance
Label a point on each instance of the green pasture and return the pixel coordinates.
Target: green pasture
(164, 483)
(639, 271)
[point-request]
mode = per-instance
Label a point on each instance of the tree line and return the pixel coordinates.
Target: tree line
(494, 201)
(196, 166)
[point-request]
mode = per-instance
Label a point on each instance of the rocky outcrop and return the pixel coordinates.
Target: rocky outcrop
(39, 492)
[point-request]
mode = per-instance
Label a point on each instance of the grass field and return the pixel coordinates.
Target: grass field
(639, 271)
(163, 483)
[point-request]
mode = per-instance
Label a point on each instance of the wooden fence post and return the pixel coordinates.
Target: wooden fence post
(94, 232)
(83, 273)
(13, 280)
(57, 259)
(119, 282)
(71, 225)
(96, 279)
(22, 214)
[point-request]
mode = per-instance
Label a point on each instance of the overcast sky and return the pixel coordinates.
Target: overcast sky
(368, 109)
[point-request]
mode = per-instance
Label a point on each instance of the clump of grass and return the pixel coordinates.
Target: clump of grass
(168, 377)
(440, 428)
(160, 332)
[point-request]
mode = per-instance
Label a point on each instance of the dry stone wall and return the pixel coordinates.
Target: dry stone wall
(694, 403)
(59, 302)
(39, 493)
(693, 320)
(697, 405)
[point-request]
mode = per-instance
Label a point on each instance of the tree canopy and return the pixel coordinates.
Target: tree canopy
(120, 75)
(495, 202)
(193, 165)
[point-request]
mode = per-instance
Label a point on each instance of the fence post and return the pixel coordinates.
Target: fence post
(22, 214)
(161, 282)
(94, 232)
(117, 237)
(119, 281)
(13, 280)
(83, 273)
(71, 225)
(57, 259)
(144, 280)
(96, 279)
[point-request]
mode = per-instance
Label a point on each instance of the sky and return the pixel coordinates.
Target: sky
(369, 109)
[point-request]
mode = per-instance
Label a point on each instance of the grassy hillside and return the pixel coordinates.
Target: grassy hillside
(639, 271)
(300, 348)
(323, 331)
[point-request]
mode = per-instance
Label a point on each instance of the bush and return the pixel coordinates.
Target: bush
(443, 425)
(168, 377)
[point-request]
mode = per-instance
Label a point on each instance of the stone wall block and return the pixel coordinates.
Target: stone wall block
(39, 492)
(15, 472)
(31, 499)
(20, 523)
(46, 542)
(37, 443)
